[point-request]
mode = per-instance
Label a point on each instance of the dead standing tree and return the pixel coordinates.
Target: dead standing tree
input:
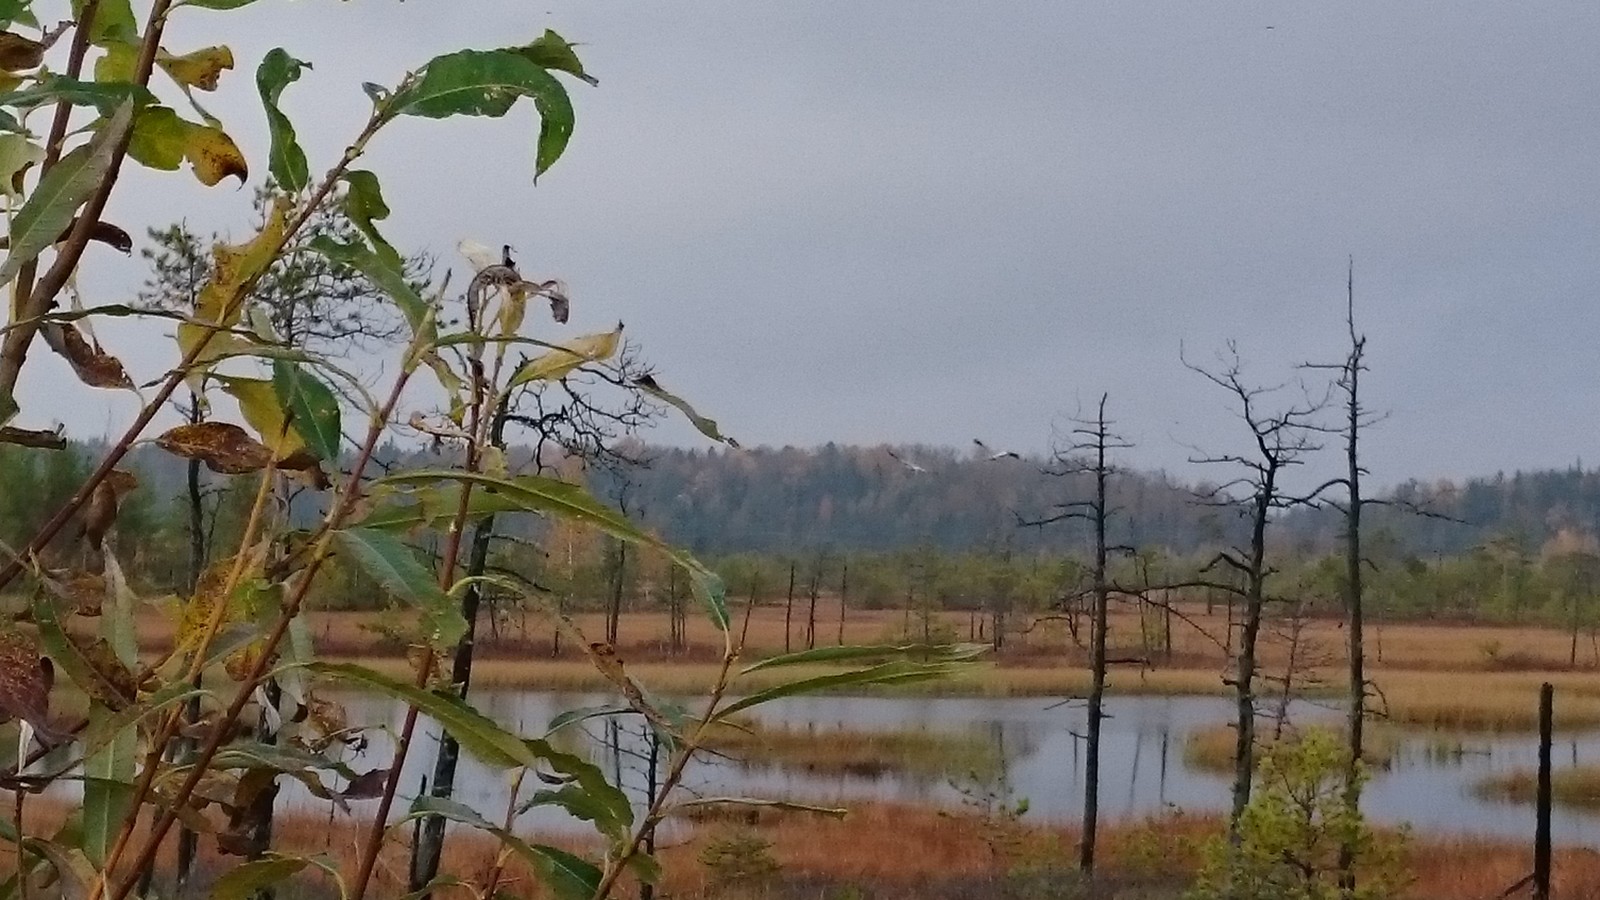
(1280, 439)
(1084, 453)
(1347, 384)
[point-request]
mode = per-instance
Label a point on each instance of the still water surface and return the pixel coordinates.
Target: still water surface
(1142, 769)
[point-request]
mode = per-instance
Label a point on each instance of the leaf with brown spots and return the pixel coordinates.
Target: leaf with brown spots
(199, 69)
(25, 678)
(222, 446)
(114, 685)
(215, 156)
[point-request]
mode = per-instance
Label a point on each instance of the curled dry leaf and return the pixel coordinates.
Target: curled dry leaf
(93, 365)
(103, 232)
(605, 658)
(100, 514)
(366, 786)
(222, 446)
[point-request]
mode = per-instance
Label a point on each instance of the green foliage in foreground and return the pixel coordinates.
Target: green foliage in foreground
(1291, 831)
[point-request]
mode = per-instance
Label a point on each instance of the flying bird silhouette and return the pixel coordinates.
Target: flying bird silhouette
(904, 462)
(992, 454)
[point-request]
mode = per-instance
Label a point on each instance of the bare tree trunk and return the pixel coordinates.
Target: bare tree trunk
(188, 839)
(1097, 652)
(813, 590)
(1356, 714)
(618, 577)
(788, 612)
(428, 848)
(844, 595)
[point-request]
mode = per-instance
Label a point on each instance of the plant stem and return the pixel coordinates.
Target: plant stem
(324, 546)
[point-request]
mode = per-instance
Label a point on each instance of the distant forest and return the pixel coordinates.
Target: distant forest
(868, 499)
(851, 499)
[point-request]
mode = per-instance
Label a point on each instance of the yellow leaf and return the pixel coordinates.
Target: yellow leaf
(214, 155)
(259, 403)
(199, 69)
(572, 354)
(232, 266)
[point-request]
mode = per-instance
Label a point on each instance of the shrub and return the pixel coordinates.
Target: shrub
(1290, 833)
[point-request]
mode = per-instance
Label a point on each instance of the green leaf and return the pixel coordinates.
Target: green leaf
(477, 734)
(432, 507)
(927, 653)
(18, 11)
(551, 51)
(382, 555)
(216, 4)
(160, 138)
(569, 877)
(387, 271)
(364, 204)
(705, 426)
(106, 97)
(489, 83)
(107, 787)
(287, 161)
(558, 363)
(313, 410)
(547, 496)
(897, 672)
(113, 21)
(49, 210)
(243, 881)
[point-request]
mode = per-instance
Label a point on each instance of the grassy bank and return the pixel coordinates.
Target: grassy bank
(857, 752)
(1577, 788)
(1210, 749)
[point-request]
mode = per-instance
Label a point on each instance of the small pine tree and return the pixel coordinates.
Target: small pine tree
(1291, 832)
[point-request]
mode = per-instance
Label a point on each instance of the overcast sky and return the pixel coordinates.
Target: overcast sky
(926, 222)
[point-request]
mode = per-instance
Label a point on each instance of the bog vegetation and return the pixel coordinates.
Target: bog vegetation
(164, 672)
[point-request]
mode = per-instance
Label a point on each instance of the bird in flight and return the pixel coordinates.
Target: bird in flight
(993, 455)
(904, 462)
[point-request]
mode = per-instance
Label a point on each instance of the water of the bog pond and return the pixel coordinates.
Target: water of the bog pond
(1429, 783)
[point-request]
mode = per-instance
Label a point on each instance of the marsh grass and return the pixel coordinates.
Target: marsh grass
(1210, 749)
(1577, 787)
(865, 753)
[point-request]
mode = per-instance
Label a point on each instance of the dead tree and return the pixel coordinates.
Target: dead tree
(813, 590)
(788, 611)
(844, 595)
(1347, 383)
(1279, 440)
(1084, 452)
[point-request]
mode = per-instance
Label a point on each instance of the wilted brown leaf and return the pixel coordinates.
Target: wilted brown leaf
(366, 786)
(85, 590)
(222, 446)
(93, 365)
(18, 52)
(115, 685)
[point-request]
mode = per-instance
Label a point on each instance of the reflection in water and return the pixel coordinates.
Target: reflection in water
(1429, 783)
